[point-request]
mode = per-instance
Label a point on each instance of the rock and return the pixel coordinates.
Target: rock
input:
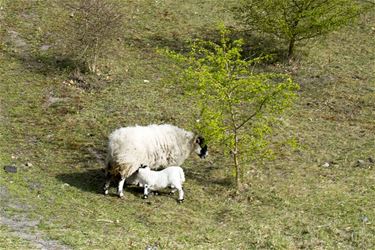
(10, 169)
(326, 165)
(361, 162)
(333, 163)
(28, 164)
(54, 101)
(364, 219)
(45, 47)
(364, 163)
(151, 247)
(35, 186)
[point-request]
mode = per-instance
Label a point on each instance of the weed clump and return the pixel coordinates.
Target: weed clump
(88, 31)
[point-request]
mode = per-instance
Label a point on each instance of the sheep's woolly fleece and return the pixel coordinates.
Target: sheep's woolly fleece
(153, 145)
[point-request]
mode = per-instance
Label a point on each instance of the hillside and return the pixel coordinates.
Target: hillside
(54, 130)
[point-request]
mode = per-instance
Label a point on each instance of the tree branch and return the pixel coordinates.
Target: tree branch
(257, 111)
(254, 114)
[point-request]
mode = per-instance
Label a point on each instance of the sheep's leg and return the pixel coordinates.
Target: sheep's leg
(120, 188)
(107, 183)
(173, 190)
(156, 193)
(145, 191)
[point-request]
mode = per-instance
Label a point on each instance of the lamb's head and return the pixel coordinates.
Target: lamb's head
(200, 147)
(143, 169)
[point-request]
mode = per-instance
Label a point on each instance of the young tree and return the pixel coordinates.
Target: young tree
(237, 105)
(297, 20)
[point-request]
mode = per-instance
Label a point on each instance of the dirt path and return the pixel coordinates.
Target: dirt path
(23, 227)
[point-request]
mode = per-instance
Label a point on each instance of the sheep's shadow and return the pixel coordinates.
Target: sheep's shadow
(203, 173)
(92, 180)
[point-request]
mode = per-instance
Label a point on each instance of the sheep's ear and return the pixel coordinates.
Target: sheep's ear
(200, 140)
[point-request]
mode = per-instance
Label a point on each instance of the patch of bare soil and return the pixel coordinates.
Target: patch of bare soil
(23, 227)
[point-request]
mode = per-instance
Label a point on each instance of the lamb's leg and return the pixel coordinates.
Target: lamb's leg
(120, 188)
(180, 194)
(107, 183)
(145, 191)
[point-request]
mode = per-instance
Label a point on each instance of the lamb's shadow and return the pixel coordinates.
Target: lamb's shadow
(92, 180)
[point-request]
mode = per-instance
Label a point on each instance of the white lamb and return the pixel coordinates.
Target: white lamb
(172, 177)
(154, 145)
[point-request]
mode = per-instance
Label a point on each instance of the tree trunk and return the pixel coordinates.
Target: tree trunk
(94, 68)
(291, 47)
(238, 173)
(236, 164)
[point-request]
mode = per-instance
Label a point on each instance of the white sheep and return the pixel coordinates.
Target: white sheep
(153, 145)
(172, 177)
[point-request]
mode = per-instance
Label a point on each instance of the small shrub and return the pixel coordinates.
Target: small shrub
(89, 30)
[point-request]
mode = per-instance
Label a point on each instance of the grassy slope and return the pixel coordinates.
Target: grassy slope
(292, 202)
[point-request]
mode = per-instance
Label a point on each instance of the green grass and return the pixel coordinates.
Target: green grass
(291, 202)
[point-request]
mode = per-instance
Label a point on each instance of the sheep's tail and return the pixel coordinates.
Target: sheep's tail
(182, 175)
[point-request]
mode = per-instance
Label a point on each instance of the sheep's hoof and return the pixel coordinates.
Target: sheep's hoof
(105, 192)
(121, 195)
(145, 196)
(156, 193)
(180, 201)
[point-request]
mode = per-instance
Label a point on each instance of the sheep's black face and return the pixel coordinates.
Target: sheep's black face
(204, 152)
(203, 147)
